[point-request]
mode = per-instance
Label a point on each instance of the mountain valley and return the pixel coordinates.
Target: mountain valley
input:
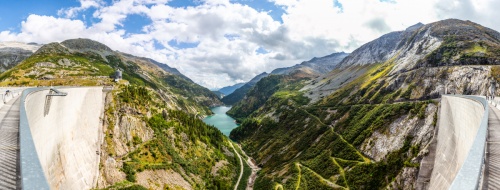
(360, 120)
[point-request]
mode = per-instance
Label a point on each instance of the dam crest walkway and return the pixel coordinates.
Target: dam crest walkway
(9, 145)
(492, 156)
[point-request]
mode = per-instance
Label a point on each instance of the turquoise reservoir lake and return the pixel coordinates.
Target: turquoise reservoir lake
(220, 120)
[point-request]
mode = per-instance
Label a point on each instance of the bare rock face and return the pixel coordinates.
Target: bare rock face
(162, 179)
(405, 180)
(45, 64)
(12, 53)
(383, 142)
(316, 65)
(391, 139)
(112, 172)
(65, 62)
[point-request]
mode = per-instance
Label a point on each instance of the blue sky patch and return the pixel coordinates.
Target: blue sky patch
(12, 13)
(135, 22)
(182, 45)
(158, 45)
(388, 1)
(337, 4)
(264, 5)
(183, 3)
(231, 37)
(261, 51)
(87, 18)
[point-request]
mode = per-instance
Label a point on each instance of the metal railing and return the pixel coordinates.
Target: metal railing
(470, 174)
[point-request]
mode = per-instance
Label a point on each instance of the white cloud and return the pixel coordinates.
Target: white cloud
(84, 5)
(228, 34)
(484, 12)
(46, 29)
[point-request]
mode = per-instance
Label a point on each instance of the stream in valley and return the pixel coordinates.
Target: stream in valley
(225, 124)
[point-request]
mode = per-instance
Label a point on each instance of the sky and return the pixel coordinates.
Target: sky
(218, 43)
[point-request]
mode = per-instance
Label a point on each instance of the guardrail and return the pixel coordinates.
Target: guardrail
(32, 175)
(469, 175)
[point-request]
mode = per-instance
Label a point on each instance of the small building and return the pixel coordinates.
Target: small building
(118, 75)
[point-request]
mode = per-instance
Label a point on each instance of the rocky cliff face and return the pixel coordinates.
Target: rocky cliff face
(371, 120)
(308, 69)
(317, 66)
(447, 42)
(160, 150)
(12, 53)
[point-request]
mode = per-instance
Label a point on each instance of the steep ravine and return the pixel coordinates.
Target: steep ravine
(169, 149)
(248, 170)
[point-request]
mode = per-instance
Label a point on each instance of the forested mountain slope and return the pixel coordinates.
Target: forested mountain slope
(368, 123)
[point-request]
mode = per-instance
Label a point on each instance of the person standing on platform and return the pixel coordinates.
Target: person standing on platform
(493, 88)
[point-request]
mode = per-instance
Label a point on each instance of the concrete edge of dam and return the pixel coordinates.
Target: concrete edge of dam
(470, 174)
(461, 142)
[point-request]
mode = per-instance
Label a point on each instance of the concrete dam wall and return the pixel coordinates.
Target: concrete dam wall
(66, 131)
(459, 122)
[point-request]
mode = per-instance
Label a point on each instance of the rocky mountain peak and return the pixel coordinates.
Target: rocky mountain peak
(52, 48)
(257, 78)
(414, 27)
(454, 39)
(82, 44)
(315, 66)
(12, 53)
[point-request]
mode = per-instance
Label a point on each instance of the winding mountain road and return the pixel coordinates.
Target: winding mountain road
(241, 168)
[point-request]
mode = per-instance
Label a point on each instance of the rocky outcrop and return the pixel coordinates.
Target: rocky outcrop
(316, 65)
(162, 179)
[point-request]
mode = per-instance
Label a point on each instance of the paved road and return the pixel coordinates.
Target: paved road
(9, 150)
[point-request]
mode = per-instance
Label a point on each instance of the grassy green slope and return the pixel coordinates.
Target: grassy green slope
(56, 65)
(317, 146)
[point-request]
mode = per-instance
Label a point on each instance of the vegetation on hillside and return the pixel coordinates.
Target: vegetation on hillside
(275, 87)
(55, 65)
(180, 142)
(150, 121)
(237, 95)
(318, 146)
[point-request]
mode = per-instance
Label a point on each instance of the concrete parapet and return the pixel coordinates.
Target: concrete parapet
(13, 92)
(67, 138)
(460, 124)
